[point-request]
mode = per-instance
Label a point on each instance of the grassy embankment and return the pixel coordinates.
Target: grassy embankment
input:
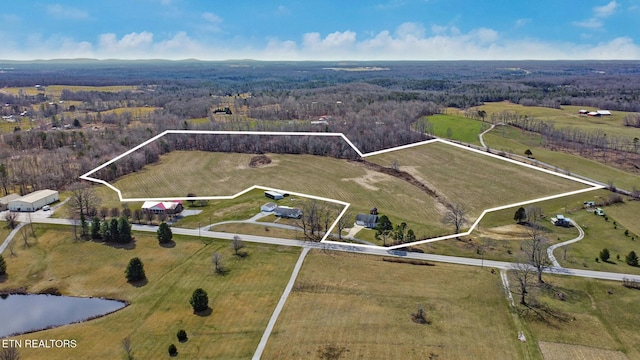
(241, 301)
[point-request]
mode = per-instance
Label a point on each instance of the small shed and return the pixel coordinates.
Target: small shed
(268, 207)
(34, 201)
(604, 112)
(583, 111)
(367, 220)
(4, 201)
(287, 212)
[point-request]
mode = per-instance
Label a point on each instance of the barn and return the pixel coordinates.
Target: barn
(34, 201)
(4, 201)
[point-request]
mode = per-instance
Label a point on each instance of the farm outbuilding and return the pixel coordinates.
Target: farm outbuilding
(367, 220)
(268, 207)
(34, 201)
(274, 195)
(4, 201)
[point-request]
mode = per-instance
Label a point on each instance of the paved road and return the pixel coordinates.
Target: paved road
(367, 250)
(283, 299)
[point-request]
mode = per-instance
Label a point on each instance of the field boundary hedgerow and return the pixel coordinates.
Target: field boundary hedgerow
(87, 176)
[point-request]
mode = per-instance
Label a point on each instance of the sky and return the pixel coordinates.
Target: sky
(321, 29)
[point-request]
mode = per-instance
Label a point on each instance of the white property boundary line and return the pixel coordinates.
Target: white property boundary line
(346, 205)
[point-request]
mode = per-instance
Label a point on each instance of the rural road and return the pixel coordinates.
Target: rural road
(551, 248)
(367, 250)
(283, 299)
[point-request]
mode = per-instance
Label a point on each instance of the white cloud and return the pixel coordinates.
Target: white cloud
(522, 22)
(606, 10)
(589, 23)
(282, 11)
(407, 42)
(212, 18)
(66, 12)
(410, 30)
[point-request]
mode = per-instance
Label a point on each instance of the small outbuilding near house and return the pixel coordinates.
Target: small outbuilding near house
(4, 201)
(34, 201)
(268, 207)
(274, 195)
(367, 220)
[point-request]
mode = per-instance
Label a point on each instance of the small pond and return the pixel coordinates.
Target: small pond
(32, 312)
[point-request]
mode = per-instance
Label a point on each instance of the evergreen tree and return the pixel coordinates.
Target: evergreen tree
(135, 270)
(411, 236)
(124, 231)
(199, 300)
(106, 231)
(632, 258)
(113, 228)
(95, 228)
(520, 215)
(3, 266)
(384, 229)
(164, 233)
(605, 255)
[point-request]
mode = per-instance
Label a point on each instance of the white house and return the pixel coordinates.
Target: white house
(162, 207)
(34, 201)
(268, 207)
(287, 212)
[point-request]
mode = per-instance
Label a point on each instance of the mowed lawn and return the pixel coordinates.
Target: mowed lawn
(241, 301)
(474, 180)
(209, 174)
(363, 305)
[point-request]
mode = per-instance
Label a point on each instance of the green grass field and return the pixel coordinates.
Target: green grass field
(461, 176)
(568, 117)
(515, 141)
(457, 128)
(336, 179)
(599, 315)
(477, 181)
(242, 301)
(364, 305)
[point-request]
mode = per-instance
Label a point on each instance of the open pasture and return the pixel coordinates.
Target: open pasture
(363, 305)
(568, 116)
(241, 301)
(478, 182)
(214, 174)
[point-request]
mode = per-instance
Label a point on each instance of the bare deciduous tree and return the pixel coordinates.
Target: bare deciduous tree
(535, 250)
(455, 216)
(344, 222)
(237, 244)
(12, 219)
(126, 346)
(216, 259)
(523, 274)
(9, 353)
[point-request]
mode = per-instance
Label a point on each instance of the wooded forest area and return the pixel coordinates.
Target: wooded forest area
(70, 132)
